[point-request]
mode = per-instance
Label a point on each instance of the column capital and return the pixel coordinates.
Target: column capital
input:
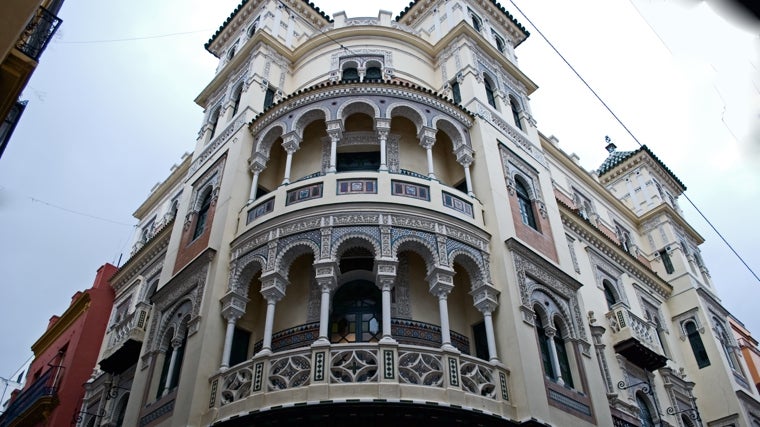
(273, 287)
(549, 331)
(441, 281)
(233, 306)
(176, 343)
(485, 298)
(382, 124)
(257, 163)
(291, 142)
(465, 155)
(427, 137)
(334, 128)
(326, 274)
(385, 273)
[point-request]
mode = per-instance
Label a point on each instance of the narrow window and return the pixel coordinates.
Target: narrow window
(515, 112)
(624, 237)
(696, 345)
(239, 351)
(543, 343)
(481, 341)
(269, 98)
(526, 207)
(725, 343)
(455, 92)
(609, 295)
(214, 120)
(476, 22)
(200, 225)
(489, 92)
(121, 410)
(252, 28)
(563, 360)
(178, 363)
(231, 52)
(236, 95)
(499, 41)
(645, 415)
(666, 261)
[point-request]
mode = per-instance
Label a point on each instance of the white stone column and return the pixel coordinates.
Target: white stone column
(326, 277)
(233, 308)
(486, 298)
(385, 278)
(427, 140)
(550, 332)
(441, 282)
(256, 166)
(383, 127)
(465, 158)
(176, 344)
(273, 290)
(335, 132)
(290, 143)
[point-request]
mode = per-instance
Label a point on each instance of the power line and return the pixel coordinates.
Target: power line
(630, 133)
(129, 39)
(78, 212)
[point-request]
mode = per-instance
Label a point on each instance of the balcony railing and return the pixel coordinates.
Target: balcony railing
(38, 33)
(401, 371)
(635, 338)
(42, 392)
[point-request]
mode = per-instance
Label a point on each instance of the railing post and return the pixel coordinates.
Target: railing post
(388, 365)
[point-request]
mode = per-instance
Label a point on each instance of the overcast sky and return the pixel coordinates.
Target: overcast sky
(107, 118)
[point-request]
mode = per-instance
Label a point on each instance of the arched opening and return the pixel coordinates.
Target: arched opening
(645, 413)
(609, 294)
(563, 353)
(200, 223)
(515, 107)
(526, 206)
(374, 73)
(490, 94)
(213, 120)
(697, 347)
(121, 410)
(236, 95)
(543, 344)
(356, 313)
(350, 72)
(358, 157)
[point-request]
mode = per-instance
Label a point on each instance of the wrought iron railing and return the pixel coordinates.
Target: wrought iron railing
(45, 386)
(38, 33)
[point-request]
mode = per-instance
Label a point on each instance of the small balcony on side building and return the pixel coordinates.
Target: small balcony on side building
(635, 338)
(33, 404)
(125, 340)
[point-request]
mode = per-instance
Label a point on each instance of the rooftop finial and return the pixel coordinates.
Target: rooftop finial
(610, 146)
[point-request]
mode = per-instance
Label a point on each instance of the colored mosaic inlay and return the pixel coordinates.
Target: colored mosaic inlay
(258, 375)
(453, 372)
(454, 202)
(425, 334)
(388, 361)
(260, 210)
(319, 366)
(214, 387)
(503, 381)
(407, 189)
(357, 186)
(299, 336)
(303, 194)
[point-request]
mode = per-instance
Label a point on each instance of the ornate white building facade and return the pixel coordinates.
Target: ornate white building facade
(371, 229)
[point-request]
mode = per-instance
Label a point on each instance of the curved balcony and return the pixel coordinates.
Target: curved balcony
(125, 340)
(340, 372)
(635, 338)
(394, 190)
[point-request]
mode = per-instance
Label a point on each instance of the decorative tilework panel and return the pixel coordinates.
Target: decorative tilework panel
(302, 194)
(357, 186)
(260, 210)
(458, 204)
(407, 189)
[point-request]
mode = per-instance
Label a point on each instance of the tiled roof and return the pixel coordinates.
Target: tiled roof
(617, 157)
(495, 3)
(240, 7)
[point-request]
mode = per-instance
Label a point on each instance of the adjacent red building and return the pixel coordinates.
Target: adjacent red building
(64, 357)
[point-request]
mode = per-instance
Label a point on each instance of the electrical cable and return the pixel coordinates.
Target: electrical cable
(158, 36)
(630, 133)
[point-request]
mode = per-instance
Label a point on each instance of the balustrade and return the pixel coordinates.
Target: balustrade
(635, 338)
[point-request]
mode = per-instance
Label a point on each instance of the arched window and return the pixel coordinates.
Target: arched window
(200, 224)
(356, 313)
(214, 120)
(695, 340)
(489, 92)
(543, 344)
(476, 22)
(645, 414)
(252, 28)
(121, 410)
(499, 41)
(455, 93)
(236, 95)
(609, 294)
(526, 207)
(373, 73)
(725, 343)
(269, 98)
(515, 111)
(231, 52)
(350, 74)
(173, 210)
(562, 354)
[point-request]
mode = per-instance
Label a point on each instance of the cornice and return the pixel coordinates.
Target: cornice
(603, 244)
(176, 176)
(143, 257)
(75, 310)
(666, 210)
